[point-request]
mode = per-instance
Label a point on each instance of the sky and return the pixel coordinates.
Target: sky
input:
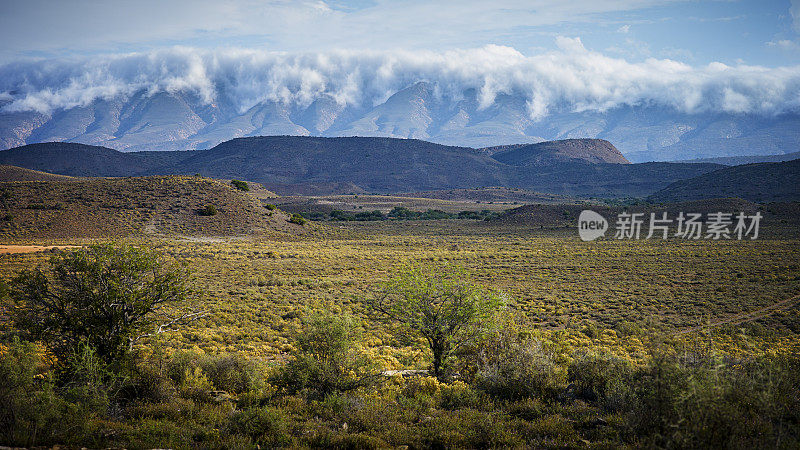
(763, 32)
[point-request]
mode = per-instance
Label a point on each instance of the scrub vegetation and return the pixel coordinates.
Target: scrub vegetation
(437, 333)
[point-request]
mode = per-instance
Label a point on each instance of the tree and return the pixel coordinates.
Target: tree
(327, 359)
(439, 305)
(104, 296)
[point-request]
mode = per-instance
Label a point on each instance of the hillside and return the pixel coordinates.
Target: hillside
(761, 182)
(374, 164)
(739, 160)
(596, 151)
(103, 207)
(319, 166)
(490, 194)
(776, 216)
(14, 173)
(85, 160)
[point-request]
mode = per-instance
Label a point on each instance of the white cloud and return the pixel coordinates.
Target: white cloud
(570, 78)
(784, 44)
(624, 29)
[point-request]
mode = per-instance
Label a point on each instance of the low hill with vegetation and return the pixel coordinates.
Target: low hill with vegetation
(595, 151)
(118, 207)
(761, 182)
(14, 173)
(776, 216)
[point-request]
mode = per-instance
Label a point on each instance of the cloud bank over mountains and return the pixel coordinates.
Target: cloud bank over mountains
(187, 98)
(570, 79)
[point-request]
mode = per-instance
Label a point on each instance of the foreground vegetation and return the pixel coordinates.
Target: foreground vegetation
(585, 346)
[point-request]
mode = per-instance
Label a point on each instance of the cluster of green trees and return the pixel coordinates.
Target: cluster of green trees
(81, 356)
(398, 213)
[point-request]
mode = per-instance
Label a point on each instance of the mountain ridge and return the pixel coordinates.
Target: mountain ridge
(360, 164)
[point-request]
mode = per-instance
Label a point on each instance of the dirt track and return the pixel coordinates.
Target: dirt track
(7, 249)
(746, 317)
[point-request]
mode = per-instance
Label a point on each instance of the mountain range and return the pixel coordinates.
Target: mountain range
(173, 121)
(314, 165)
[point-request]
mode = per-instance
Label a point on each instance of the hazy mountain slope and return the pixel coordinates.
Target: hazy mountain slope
(761, 182)
(739, 160)
(184, 121)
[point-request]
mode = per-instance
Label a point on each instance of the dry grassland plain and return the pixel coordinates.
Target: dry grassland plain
(616, 296)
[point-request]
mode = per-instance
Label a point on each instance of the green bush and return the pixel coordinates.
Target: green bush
(606, 380)
(328, 359)
(710, 403)
(270, 207)
(232, 373)
(240, 185)
(370, 216)
(513, 366)
(31, 411)
(298, 219)
(208, 210)
(265, 426)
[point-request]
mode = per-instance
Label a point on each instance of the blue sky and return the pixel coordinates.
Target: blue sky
(765, 33)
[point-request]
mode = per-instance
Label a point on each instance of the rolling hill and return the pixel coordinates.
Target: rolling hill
(780, 218)
(595, 151)
(118, 207)
(296, 164)
(14, 173)
(760, 182)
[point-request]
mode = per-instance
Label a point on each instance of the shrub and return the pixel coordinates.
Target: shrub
(369, 216)
(337, 214)
(298, 219)
(265, 426)
(327, 359)
(208, 210)
(460, 395)
(32, 413)
(232, 373)
(606, 380)
(434, 214)
(240, 185)
(400, 212)
(270, 207)
(513, 365)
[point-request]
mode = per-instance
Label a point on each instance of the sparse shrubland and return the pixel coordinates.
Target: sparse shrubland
(585, 352)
